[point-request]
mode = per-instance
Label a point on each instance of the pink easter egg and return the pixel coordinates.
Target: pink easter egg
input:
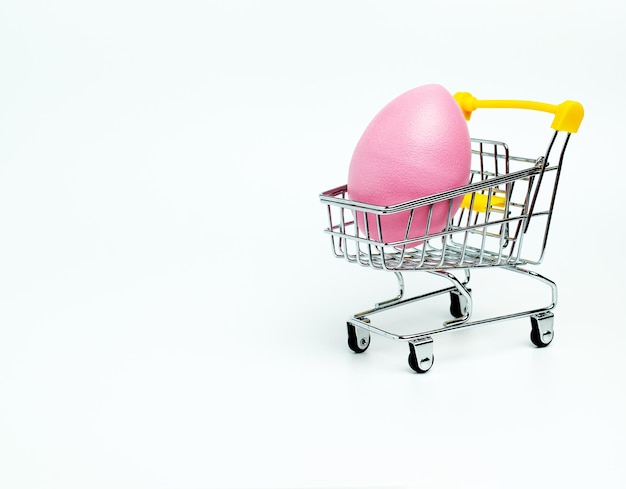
(416, 146)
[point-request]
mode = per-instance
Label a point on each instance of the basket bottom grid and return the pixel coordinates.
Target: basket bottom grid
(426, 257)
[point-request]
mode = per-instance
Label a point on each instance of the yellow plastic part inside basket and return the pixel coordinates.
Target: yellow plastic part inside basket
(480, 202)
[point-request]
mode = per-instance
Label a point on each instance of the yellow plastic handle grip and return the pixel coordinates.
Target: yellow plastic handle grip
(567, 115)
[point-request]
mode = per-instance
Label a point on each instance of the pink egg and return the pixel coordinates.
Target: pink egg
(417, 145)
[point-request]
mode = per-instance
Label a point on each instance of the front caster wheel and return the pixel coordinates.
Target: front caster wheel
(421, 356)
(358, 338)
(542, 330)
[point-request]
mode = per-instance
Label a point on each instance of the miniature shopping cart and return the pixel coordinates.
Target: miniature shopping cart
(504, 196)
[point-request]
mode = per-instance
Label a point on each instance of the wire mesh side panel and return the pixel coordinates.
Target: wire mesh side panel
(525, 204)
(488, 228)
(542, 205)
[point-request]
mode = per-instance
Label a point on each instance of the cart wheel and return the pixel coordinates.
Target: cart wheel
(542, 332)
(358, 338)
(458, 305)
(422, 363)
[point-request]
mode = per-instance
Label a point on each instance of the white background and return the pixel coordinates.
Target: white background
(170, 312)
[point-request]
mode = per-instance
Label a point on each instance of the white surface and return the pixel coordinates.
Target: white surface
(170, 313)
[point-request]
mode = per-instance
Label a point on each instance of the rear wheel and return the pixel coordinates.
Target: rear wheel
(358, 338)
(542, 330)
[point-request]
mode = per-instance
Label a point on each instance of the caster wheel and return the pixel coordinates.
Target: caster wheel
(458, 305)
(542, 332)
(419, 361)
(358, 338)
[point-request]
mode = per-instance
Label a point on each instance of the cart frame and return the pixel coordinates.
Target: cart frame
(504, 195)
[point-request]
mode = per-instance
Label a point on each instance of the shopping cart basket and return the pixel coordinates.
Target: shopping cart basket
(504, 195)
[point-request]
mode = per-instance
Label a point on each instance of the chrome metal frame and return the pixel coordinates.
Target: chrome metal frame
(490, 229)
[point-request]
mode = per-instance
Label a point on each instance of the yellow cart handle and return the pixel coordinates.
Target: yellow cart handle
(567, 115)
